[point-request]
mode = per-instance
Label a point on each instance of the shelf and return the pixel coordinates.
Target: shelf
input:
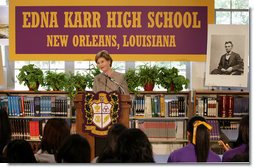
(41, 117)
(33, 140)
(160, 92)
(158, 118)
(163, 140)
(223, 118)
(27, 92)
(227, 92)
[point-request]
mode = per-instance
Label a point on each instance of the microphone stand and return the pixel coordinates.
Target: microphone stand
(115, 82)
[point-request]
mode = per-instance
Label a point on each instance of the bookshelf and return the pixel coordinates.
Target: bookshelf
(163, 117)
(223, 110)
(29, 111)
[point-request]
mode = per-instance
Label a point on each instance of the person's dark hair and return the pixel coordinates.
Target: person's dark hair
(229, 42)
(54, 133)
(104, 54)
(19, 151)
(243, 132)
(133, 146)
(74, 149)
(5, 130)
(111, 142)
(202, 145)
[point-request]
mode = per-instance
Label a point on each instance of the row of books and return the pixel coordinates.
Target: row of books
(37, 106)
(166, 130)
(158, 106)
(174, 129)
(215, 132)
(164, 149)
(25, 129)
(31, 129)
(227, 124)
(222, 106)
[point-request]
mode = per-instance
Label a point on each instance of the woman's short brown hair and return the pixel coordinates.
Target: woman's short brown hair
(105, 55)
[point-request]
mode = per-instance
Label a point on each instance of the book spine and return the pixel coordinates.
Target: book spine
(162, 106)
(230, 106)
(37, 106)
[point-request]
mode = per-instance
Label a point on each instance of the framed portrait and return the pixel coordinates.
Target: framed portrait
(227, 56)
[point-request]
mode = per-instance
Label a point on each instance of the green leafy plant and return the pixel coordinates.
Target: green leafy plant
(171, 80)
(132, 80)
(148, 75)
(55, 81)
(31, 76)
(77, 82)
(92, 73)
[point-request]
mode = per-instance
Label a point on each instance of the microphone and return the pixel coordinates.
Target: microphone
(115, 82)
(108, 77)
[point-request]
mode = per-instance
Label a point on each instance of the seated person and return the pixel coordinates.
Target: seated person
(198, 148)
(19, 151)
(75, 149)
(230, 63)
(133, 146)
(242, 141)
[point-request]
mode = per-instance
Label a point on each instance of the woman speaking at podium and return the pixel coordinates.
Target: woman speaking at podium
(109, 80)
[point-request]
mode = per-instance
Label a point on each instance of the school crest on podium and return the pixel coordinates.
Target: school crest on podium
(100, 111)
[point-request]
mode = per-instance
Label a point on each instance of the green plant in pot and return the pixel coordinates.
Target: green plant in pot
(55, 80)
(31, 76)
(171, 80)
(148, 76)
(77, 82)
(132, 80)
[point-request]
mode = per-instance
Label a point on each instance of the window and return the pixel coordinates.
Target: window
(84, 66)
(58, 66)
(232, 11)
(4, 2)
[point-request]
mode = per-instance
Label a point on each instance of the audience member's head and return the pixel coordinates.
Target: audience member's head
(19, 151)
(133, 146)
(74, 149)
(5, 130)
(110, 148)
(243, 134)
(199, 136)
(54, 133)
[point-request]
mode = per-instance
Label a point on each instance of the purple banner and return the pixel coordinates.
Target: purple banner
(118, 29)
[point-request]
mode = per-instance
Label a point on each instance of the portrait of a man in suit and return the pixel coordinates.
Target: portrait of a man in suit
(230, 63)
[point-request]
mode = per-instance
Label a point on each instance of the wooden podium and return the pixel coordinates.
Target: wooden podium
(124, 118)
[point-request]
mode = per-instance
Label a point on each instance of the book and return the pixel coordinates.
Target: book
(222, 106)
(230, 110)
(37, 106)
(34, 130)
(148, 106)
(241, 106)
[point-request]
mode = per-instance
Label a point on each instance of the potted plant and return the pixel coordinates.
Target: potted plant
(31, 76)
(55, 81)
(132, 80)
(77, 82)
(171, 80)
(148, 76)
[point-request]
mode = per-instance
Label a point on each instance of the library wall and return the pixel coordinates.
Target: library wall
(197, 75)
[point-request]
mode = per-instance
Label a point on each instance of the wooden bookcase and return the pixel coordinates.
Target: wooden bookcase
(223, 110)
(163, 117)
(28, 112)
